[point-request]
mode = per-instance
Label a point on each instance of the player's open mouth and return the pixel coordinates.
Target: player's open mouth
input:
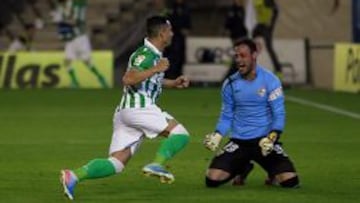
(241, 65)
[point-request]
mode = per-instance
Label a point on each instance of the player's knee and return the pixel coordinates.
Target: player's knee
(179, 129)
(213, 183)
(291, 182)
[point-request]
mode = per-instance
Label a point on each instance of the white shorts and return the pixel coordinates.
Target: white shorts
(130, 126)
(78, 48)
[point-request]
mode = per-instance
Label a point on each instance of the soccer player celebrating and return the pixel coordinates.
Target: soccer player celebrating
(72, 29)
(137, 116)
(253, 111)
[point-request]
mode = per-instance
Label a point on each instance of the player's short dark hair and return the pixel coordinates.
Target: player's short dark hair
(248, 42)
(154, 25)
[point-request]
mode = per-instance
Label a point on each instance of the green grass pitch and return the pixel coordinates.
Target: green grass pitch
(43, 131)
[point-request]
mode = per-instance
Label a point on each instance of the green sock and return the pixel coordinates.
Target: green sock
(171, 146)
(97, 168)
(99, 76)
(74, 81)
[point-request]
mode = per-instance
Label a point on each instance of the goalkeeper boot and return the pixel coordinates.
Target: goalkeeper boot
(157, 170)
(240, 179)
(68, 181)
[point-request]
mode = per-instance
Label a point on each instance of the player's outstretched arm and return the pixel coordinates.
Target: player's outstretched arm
(180, 82)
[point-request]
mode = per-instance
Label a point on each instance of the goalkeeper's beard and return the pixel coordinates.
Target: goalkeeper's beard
(247, 70)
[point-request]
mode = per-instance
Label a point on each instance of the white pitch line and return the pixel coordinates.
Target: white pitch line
(323, 107)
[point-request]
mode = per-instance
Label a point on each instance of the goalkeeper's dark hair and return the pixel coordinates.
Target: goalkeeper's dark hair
(248, 42)
(154, 24)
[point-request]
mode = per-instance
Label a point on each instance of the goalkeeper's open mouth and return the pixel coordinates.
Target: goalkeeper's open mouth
(241, 66)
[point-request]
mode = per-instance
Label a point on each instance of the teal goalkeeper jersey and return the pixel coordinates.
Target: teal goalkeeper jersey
(146, 92)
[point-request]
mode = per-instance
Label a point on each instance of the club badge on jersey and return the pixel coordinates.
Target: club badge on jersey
(261, 92)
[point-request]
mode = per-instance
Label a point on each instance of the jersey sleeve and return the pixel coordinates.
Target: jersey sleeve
(142, 61)
(226, 115)
(276, 100)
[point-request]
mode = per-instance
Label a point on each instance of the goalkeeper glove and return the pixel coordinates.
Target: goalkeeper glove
(212, 141)
(267, 143)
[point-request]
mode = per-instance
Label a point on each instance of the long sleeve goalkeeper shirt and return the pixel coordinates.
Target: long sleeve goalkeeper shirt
(251, 109)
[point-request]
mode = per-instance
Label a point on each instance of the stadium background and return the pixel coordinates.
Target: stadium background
(43, 129)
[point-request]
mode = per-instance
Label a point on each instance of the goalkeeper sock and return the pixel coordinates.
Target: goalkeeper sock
(99, 168)
(171, 146)
(74, 81)
(98, 75)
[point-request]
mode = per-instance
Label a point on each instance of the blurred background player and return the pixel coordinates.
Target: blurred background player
(180, 17)
(23, 41)
(17, 7)
(137, 116)
(253, 112)
(234, 27)
(72, 29)
(267, 12)
(235, 21)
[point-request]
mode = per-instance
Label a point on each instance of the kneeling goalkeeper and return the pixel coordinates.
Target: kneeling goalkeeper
(253, 112)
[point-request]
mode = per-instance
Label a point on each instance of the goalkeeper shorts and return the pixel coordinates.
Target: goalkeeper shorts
(237, 154)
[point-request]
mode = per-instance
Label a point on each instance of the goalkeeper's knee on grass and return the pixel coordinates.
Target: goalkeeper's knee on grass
(291, 182)
(215, 183)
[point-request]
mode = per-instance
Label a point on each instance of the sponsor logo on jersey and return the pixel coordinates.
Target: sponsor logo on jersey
(276, 94)
(139, 59)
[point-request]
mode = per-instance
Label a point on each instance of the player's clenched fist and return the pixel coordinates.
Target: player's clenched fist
(212, 141)
(182, 82)
(162, 65)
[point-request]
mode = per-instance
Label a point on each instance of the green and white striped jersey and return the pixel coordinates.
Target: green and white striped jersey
(146, 92)
(79, 16)
(75, 12)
